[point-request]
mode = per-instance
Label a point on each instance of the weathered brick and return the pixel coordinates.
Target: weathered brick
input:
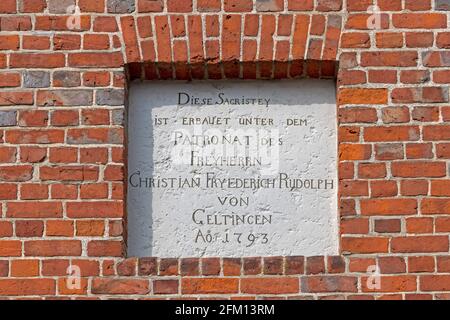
(442, 5)
(274, 285)
(52, 248)
(120, 6)
(36, 79)
(120, 286)
(209, 285)
(64, 97)
(60, 6)
(317, 284)
(110, 97)
(27, 287)
(66, 79)
(8, 118)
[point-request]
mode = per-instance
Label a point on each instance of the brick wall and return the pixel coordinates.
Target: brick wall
(62, 99)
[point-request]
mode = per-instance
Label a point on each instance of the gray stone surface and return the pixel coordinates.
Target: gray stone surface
(66, 98)
(36, 79)
(110, 97)
(443, 5)
(268, 5)
(60, 6)
(121, 6)
(201, 219)
(66, 78)
(8, 118)
(118, 117)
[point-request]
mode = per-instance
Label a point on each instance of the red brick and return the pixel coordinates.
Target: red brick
(269, 285)
(418, 5)
(435, 283)
(15, 23)
(388, 225)
(9, 98)
(64, 191)
(37, 60)
(147, 266)
(63, 155)
(33, 191)
(354, 226)
(34, 136)
(420, 244)
(435, 206)
(6, 229)
(208, 5)
(10, 79)
(354, 188)
(36, 42)
(392, 284)
(414, 187)
(27, 287)
(389, 40)
(389, 59)
(361, 264)
(365, 245)
(379, 189)
(358, 115)
(252, 266)
(419, 151)
(25, 268)
(30, 228)
(419, 20)
(92, 6)
(69, 173)
(59, 228)
(190, 266)
(105, 24)
(97, 209)
(416, 169)
(349, 77)
(395, 115)
(362, 96)
(231, 266)
(315, 265)
(95, 60)
(211, 266)
(52, 248)
(32, 154)
(354, 151)
(321, 284)
(392, 265)
(105, 248)
(419, 225)
(30, 6)
(165, 286)
(120, 286)
(300, 5)
(389, 151)
(34, 209)
(380, 207)
(433, 133)
(10, 248)
(62, 118)
(209, 285)
(420, 264)
(371, 170)
(238, 5)
(382, 76)
(168, 267)
(391, 133)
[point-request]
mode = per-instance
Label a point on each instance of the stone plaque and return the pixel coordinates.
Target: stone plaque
(232, 169)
